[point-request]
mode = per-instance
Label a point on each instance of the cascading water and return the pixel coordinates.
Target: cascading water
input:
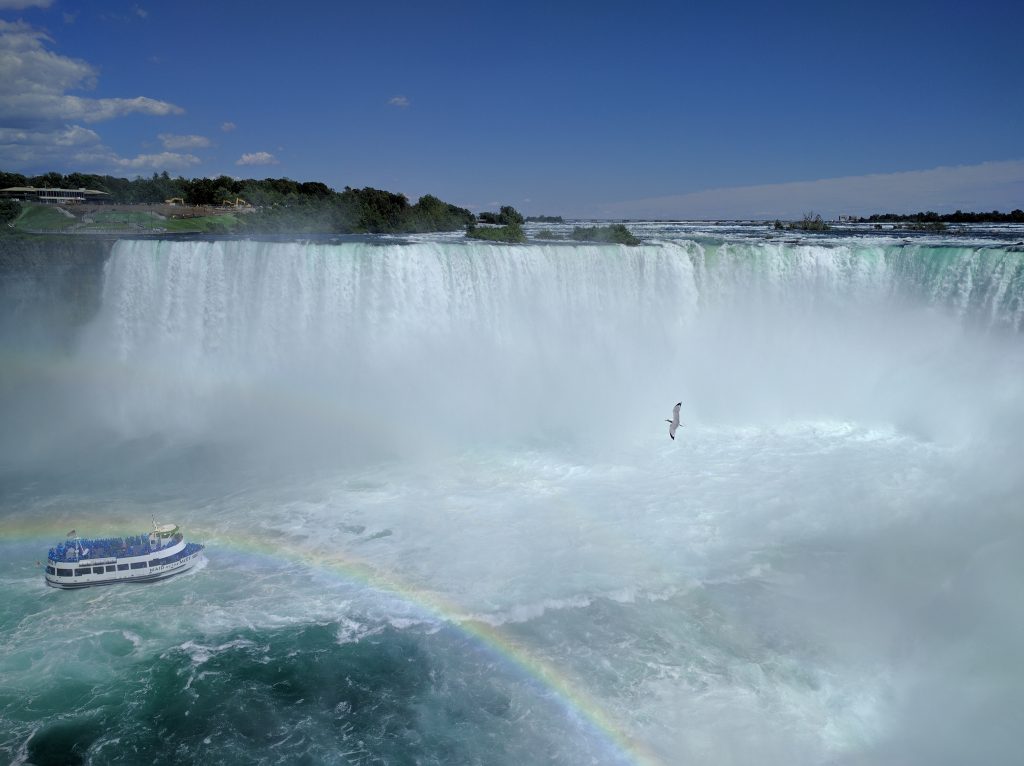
(424, 335)
(445, 523)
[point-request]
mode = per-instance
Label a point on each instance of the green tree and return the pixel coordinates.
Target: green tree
(201, 191)
(47, 181)
(379, 210)
(510, 215)
(513, 233)
(432, 214)
(507, 215)
(9, 210)
(7, 180)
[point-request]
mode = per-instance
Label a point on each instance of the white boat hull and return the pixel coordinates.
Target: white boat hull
(172, 569)
(85, 573)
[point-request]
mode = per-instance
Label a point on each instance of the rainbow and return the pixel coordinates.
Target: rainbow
(577, 704)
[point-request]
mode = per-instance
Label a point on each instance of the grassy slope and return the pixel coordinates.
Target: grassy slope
(42, 217)
(201, 224)
(47, 218)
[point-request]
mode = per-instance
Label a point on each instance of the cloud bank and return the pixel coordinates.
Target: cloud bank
(34, 88)
(988, 186)
(20, 5)
(39, 118)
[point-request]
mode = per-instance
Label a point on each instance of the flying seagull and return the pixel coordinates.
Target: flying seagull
(673, 424)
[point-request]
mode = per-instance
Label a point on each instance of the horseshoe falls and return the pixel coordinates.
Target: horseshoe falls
(445, 523)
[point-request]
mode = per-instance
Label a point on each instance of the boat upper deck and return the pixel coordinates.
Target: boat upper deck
(107, 547)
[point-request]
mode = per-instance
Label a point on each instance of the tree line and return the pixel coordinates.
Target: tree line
(1015, 216)
(283, 205)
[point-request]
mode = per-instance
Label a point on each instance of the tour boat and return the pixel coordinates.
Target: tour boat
(155, 555)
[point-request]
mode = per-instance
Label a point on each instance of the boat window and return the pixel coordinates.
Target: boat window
(111, 568)
(64, 573)
(121, 567)
(138, 565)
(50, 570)
(80, 572)
(98, 570)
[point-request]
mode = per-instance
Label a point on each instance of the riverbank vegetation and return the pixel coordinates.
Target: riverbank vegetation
(1014, 216)
(9, 210)
(615, 233)
(513, 233)
(507, 216)
(504, 226)
(810, 222)
(273, 205)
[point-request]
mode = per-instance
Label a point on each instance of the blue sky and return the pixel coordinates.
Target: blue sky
(583, 109)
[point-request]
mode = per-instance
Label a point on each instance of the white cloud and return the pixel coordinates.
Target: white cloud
(20, 5)
(42, 118)
(39, 118)
(171, 141)
(79, 148)
(34, 88)
(227, 127)
(30, 67)
(162, 161)
(70, 135)
(140, 12)
(400, 101)
(988, 186)
(40, 108)
(257, 158)
(22, 149)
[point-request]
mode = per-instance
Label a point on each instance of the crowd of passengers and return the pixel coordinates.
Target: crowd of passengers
(104, 547)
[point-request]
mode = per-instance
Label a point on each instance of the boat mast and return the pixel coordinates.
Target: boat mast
(78, 543)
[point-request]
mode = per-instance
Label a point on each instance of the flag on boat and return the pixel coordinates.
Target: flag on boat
(71, 533)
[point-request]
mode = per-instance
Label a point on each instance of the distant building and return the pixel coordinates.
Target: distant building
(54, 196)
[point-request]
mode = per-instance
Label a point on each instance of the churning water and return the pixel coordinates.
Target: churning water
(446, 525)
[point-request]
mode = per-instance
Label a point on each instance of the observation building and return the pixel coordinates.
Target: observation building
(54, 196)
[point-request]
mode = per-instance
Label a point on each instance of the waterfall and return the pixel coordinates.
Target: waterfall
(515, 341)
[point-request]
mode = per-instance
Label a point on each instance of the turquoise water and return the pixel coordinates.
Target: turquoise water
(445, 525)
